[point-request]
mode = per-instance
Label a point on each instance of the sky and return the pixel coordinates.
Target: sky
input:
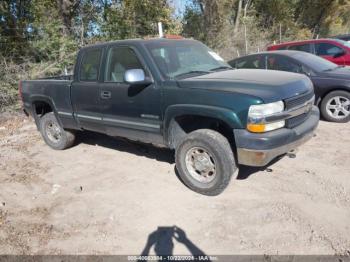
(180, 5)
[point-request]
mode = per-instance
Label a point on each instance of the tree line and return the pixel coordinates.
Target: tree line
(40, 37)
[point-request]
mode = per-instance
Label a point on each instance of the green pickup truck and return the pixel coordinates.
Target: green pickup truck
(181, 95)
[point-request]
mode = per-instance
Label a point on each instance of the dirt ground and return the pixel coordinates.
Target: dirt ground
(112, 196)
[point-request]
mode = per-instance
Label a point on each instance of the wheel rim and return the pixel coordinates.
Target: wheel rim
(200, 164)
(338, 107)
(53, 132)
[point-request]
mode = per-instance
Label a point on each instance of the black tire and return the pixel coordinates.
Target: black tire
(63, 141)
(220, 153)
(324, 112)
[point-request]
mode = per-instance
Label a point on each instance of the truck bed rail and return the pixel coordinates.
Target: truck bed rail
(60, 77)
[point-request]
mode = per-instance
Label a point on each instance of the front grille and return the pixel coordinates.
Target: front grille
(297, 120)
(298, 100)
(295, 102)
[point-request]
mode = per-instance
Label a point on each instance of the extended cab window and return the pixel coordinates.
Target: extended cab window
(119, 60)
(327, 49)
(90, 65)
(281, 63)
(303, 48)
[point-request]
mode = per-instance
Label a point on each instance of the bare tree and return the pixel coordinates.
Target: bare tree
(238, 17)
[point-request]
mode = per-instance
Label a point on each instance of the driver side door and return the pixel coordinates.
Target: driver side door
(128, 110)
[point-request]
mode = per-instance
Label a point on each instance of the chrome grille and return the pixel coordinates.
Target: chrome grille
(298, 100)
(295, 102)
(297, 120)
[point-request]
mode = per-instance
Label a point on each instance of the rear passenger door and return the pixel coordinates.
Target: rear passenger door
(283, 63)
(85, 92)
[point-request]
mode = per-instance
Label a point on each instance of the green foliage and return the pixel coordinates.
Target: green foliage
(53, 38)
(235, 27)
(132, 19)
(193, 25)
(15, 16)
(40, 38)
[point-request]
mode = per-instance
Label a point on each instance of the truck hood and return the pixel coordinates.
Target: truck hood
(268, 85)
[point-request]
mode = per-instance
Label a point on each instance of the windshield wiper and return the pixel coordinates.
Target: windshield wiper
(221, 68)
(194, 72)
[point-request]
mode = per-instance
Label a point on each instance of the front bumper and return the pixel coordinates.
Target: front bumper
(259, 149)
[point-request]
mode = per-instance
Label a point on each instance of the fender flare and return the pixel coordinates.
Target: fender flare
(223, 114)
(42, 98)
(333, 89)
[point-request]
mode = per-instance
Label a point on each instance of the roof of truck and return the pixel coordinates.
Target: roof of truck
(138, 41)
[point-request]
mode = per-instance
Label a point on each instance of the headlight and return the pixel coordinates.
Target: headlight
(258, 113)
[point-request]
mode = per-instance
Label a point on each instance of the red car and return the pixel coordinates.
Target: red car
(334, 50)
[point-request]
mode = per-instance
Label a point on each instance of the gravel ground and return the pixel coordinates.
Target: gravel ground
(112, 196)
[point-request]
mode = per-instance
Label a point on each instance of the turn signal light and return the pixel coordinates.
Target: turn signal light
(256, 128)
(264, 127)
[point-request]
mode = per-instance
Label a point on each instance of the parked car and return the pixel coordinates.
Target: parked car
(331, 82)
(181, 95)
(345, 37)
(334, 50)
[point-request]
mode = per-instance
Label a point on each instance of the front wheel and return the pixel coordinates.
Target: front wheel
(205, 161)
(335, 106)
(54, 135)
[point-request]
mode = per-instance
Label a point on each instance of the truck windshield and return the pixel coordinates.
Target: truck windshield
(185, 58)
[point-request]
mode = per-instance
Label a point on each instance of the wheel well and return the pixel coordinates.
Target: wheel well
(330, 91)
(41, 108)
(182, 125)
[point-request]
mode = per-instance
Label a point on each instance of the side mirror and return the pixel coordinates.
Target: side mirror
(339, 54)
(306, 71)
(137, 77)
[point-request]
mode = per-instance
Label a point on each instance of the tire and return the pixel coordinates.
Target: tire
(59, 138)
(329, 104)
(214, 150)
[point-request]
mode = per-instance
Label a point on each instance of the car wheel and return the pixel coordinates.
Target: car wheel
(335, 106)
(205, 161)
(54, 135)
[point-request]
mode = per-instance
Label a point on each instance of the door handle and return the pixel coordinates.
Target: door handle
(106, 94)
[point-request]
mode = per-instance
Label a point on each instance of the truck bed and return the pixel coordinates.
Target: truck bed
(55, 91)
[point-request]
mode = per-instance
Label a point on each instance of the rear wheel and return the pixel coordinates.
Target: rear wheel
(335, 107)
(54, 135)
(205, 161)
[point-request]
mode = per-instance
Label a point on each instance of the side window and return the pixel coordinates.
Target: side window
(327, 49)
(251, 62)
(90, 64)
(282, 63)
(119, 60)
(303, 48)
(283, 48)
